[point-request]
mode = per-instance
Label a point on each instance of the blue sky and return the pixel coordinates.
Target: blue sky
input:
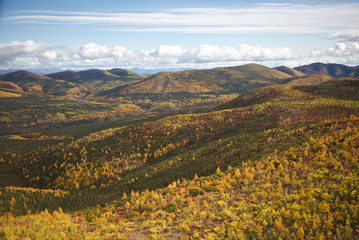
(176, 34)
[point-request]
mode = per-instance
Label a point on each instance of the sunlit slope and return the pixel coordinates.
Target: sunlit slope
(10, 86)
(9, 89)
(340, 88)
(299, 78)
(232, 79)
(292, 72)
(310, 79)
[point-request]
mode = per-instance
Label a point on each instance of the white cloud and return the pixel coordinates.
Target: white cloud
(339, 50)
(283, 18)
(341, 53)
(92, 55)
(344, 36)
(244, 52)
(342, 50)
(170, 51)
(50, 55)
(10, 51)
(122, 54)
(94, 51)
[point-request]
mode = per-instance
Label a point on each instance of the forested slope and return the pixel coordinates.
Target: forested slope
(278, 162)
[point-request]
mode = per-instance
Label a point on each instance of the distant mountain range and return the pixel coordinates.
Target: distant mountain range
(117, 82)
(44, 71)
(97, 80)
(332, 69)
(69, 83)
(230, 79)
(120, 92)
(30, 83)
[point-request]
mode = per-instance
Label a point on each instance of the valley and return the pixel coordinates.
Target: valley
(245, 152)
(34, 103)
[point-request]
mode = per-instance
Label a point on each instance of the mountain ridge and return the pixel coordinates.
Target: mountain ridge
(81, 76)
(290, 71)
(33, 83)
(332, 69)
(98, 81)
(209, 80)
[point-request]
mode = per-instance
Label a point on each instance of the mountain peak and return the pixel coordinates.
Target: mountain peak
(95, 73)
(22, 75)
(122, 72)
(67, 75)
(91, 74)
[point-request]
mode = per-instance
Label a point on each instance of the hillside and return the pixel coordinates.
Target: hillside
(290, 71)
(97, 80)
(331, 69)
(33, 113)
(310, 80)
(42, 85)
(10, 86)
(231, 79)
(278, 162)
(122, 72)
(83, 76)
(21, 76)
(103, 94)
(137, 96)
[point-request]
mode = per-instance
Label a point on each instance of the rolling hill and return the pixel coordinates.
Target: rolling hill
(292, 72)
(32, 83)
(83, 76)
(310, 79)
(331, 69)
(99, 80)
(10, 86)
(115, 90)
(231, 79)
(277, 162)
(122, 72)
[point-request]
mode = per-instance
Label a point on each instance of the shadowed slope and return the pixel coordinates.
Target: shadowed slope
(331, 69)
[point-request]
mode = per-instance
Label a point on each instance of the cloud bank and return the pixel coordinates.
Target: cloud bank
(341, 51)
(32, 54)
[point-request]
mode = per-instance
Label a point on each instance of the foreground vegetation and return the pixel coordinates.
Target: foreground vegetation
(278, 162)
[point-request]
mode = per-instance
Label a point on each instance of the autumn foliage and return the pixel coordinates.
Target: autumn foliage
(278, 163)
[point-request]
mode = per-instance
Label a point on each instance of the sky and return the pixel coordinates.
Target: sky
(104, 34)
